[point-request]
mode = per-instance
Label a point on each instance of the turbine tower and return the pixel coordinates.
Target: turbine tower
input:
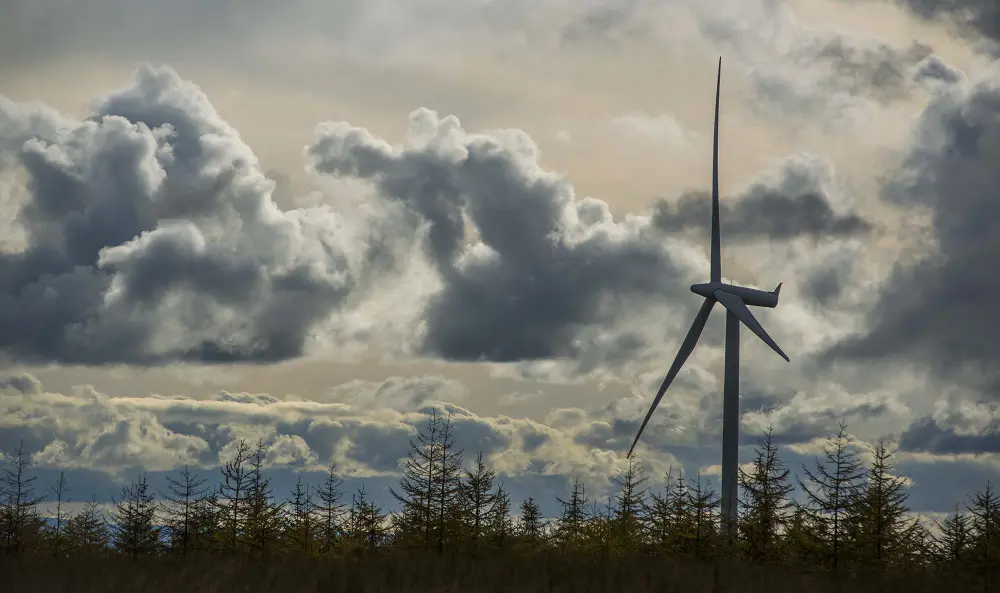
(735, 300)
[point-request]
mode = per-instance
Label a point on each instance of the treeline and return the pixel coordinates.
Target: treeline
(852, 517)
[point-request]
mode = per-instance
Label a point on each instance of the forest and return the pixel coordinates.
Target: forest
(847, 528)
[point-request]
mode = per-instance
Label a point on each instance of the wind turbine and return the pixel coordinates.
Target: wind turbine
(735, 299)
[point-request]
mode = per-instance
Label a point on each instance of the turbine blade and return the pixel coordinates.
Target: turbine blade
(687, 346)
(738, 308)
(716, 234)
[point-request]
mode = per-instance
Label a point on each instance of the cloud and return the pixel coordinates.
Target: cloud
(545, 267)
(793, 201)
(970, 17)
(366, 433)
(152, 236)
(936, 309)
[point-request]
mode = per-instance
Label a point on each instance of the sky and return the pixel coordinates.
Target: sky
(311, 222)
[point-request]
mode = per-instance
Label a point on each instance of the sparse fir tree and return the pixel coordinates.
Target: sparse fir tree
(832, 490)
(627, 520)
(87, 531)
(263, 515)
(879, 519)
(330, 509)
(181, 508)
(571, 527)
(954, 541)
(766, 506)
(477, 498)
(20, 522)
(301, 524)
(135, 531)
(232, 498)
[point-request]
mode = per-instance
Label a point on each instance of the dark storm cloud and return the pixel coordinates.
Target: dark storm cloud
(972, 17)
(150, 216)
(940, 312)
(549, 266)
(790, 205)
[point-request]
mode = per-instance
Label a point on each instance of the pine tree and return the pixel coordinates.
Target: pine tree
(181, 508)
(984, 507)
(448, 489)
(366, 523)
(232, 497)
(87, 531)
(571, 527)
(301, 523)
(530, 525)
(880, 513)
(832, 490)
(57, 534)
(330, 509)
(499, 525)
(415, 521)
(134, 527)
(704, 504)
(628, 519)
(954, 541)
(19, 516)
(430, 489)
(477, 499)
(766, 507)
(263, 517)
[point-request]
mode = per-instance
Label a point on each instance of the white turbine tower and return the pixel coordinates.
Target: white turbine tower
(735, 299)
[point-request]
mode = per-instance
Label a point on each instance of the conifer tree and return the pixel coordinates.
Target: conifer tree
(766, 507)
(477, 499)
(87, 531)
(500, 526)
(954, 541)
(832, 489)
(627, 518)
(330, 509)
(57, 535)
(571, 527)
(366, 523)
(301, 529)
(414, 524)
(19, 518)
(530, 525)
(880, 512)
(984, 507)
(135, 531)
(182, 499)
(233, 497)
(704, 504)
(264, 516)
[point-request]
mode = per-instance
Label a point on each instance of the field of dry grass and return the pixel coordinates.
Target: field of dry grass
(431, 574)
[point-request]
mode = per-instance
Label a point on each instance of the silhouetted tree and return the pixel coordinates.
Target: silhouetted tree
(301, 529)
(263, 516)
(134, 527)
(232, 497)
(181, 509)
(530, 525)
(366, 523)
(832, 489)
(766, 507)
(704, 504)
(954, 541)
(87, 531)
(499, 525)
(57, 535)
(880, 512)
(477, 498)
(19, 516)
(984, 507)
(630, 503)
(571, 526)
(330, 509)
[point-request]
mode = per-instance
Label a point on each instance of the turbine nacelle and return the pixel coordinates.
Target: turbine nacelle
(750, 296)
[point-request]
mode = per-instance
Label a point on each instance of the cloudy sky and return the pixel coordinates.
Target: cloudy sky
(311, 223)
